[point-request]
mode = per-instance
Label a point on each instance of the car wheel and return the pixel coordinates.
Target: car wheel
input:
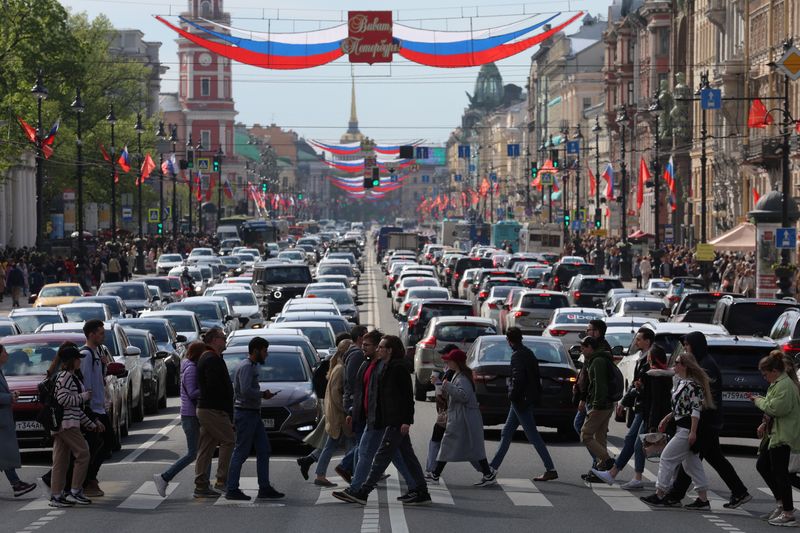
(138, 411)
(420, 391)
(568, 433)
(151, 407)
(174, 388)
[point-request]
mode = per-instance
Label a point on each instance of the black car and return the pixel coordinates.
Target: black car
(699, 306)
(490, 361)
(738, 357)
(292, 413)
(411, 332)
(167, 340)
(587, 290)
(564, 271)
(276, 283)
(464, 263)
(750, 316)
(136, 294)
(169, 286)
(154, 370)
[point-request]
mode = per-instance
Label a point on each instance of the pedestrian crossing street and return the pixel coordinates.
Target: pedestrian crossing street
(517, 492)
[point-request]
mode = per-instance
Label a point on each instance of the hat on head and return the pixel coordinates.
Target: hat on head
(455, 355)
(447, 349)
(68, 353)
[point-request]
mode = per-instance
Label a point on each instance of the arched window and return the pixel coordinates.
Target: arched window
(205, 9)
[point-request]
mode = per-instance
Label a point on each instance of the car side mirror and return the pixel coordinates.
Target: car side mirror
(617, 351)
(161, 355)
(117, 370)
(181, 338)
(156, 298)
(132, 351)
(261, 283)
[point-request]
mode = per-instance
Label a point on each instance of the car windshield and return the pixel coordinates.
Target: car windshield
(81, 314)
(279, 366)
(643, 305)
(623, 338)
(340, 297)
(30, 358)
(576, 318)
(161, 283)
(543, 301)
(341, 270)
(535, 272)
(157, 328)
(204, 311)
(63, 290)
(319, 336)
(425, 293)
(464, 332)
(140, 341)
(287, 274)
(126, 292)
(705, 302)
(7, 329)
(171, 258)
(29, 323)
(201, 251)
(659, 284)
(498, 351)
(112, 303)
(238, 298)
(181, 322)
(230, 261)
(291, 255)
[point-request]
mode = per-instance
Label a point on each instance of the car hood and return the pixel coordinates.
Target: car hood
(284, 286)
(136, 304)
(246, 310)
(191, 336)
(212, 324)
(348, 309)
(165, 347)
(25, 384)
(290, 392)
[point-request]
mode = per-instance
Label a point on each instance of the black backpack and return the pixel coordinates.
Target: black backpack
(52, 412)
(616, 383)
(319, 379)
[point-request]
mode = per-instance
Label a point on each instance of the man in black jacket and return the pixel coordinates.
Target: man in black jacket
(395, 415)
(353, 359)
(215, 414)
(711, 421)
(524, 391)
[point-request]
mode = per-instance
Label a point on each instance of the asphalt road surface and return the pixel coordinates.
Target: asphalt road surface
(515, 504)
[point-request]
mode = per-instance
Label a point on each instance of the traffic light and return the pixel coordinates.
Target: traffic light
(190, 159)
(215, 163)
(299, 196)
(367, 183)
(264, 187)
(376, 177)
(554, 158)
(160, 228)
(566, 219)
(598, 218)
(534, 169)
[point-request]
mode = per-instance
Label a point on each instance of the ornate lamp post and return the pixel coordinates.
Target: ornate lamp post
(578, 137)
(173, 138)
(623, 121)
(656, 111)
(78, 107)
(111, 118)
(218, 157)
(161, 135)
(190, 157)
(39, 91)
(199, 149)
(139, 129)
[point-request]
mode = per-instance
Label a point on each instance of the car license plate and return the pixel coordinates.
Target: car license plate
(736, 395)
(269, 423)
(29, 425)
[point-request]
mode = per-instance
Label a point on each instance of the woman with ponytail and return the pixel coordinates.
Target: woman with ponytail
(782, 405)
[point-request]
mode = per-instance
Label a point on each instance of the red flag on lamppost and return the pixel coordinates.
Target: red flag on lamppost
(758, 117)
(644, 176)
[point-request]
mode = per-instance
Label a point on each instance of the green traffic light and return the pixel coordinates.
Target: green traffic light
(216, 166)
(300, 196)
(376, 183)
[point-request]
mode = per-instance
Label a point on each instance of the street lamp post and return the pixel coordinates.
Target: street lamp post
(219, 155)
(623, 121)
(528, 211)
(161, 135)
(190, 149)
(173, 137)
(111, 118)
(140, 242)
(199, 149)
(599, 259)
(703, 159)
(78, 107)
(550, 193)
(578, 137)
(656, 111)
(39, 91)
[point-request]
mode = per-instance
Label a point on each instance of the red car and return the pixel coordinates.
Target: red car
(29, 358)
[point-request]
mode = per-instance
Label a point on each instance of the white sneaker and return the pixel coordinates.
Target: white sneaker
(161, 485)
(605, 475)
(634, 484)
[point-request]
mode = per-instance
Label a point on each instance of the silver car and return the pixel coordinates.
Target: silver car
(531, 310)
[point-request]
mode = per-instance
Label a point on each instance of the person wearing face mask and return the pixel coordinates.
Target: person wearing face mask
(250, 431)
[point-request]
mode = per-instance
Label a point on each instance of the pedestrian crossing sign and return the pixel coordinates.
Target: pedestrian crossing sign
(152, 215)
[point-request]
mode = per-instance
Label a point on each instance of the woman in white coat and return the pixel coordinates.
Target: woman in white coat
(463, 436)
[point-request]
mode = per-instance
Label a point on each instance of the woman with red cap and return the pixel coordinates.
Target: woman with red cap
(463, 436)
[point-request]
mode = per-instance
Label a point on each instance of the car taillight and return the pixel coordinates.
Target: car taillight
(576, 294)
(791, 348)
(483, 294)
(428, 342)
(555, 281)
(492, 305)
(311, 296)
(766, 304)
(529, 282)
(520, 313)
(391, 279)
(674, 298)
(412, 322)
(483, 378)
(558, 332)
(407, 306)
(401, 292)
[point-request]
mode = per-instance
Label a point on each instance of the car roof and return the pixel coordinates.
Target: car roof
(586, 310)
(62, 284)
(739, 340)
(77, 338)
(544, 292)
(555, 341)
(33, 311)
(166, 312)
(82, 304)
(474, 319)
(642, 299)
(678, 328)
(299, 324)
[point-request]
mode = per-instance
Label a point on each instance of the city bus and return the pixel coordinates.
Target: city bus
(544, 238)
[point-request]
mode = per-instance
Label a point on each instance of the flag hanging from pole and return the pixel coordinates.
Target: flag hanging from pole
(124, 160)
(669, 177)
(592, 184)
(608, 175)
(644, 176)
(28, 130)
(227, 189)
(148, 165)
(756, 196)
(758, 117)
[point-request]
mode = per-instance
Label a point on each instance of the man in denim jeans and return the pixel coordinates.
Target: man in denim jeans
(524, 392)
(250, 430)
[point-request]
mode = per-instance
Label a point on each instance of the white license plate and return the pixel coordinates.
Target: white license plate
(736, 395)
(269, 423)
(29, 425)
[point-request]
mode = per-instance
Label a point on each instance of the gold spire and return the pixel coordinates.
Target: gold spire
(353, 116)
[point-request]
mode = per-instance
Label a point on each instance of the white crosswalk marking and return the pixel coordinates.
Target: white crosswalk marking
(523, 493)
(112, 490)
(717, 503)
(440, 494)
(248, 485)
(146, 497)
(326, 493)
(619, 499)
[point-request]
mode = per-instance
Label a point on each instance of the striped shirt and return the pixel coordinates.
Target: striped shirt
(70, 395)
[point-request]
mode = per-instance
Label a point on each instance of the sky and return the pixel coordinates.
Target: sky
(396, 102)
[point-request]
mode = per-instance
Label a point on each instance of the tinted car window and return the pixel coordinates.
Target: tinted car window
(278, 367)
(566, 271)
(599, 285)
(738, 357)
(704, 302)
(431, 311)
(207, 311)
(156, 328)
(636, 305)
(751, 318)
(287, 275)
(462, 332)
(162, 283)
(239, 298)
(140, 341)
(29, 323)
(341, 270)
(499, 351)
(30, 359)
(547, 301)
(126, 292)
(7, 329)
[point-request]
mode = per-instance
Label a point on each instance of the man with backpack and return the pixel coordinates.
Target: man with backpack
(599, 400)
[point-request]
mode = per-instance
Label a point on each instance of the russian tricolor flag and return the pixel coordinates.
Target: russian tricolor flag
(170, 166)
(669, 177)
(124, 161)
(608, 175)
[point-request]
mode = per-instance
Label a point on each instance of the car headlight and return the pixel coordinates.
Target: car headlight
(310, 402)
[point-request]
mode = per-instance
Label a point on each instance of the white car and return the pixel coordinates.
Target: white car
(402, 287)
(657, 287)
(569, 323)
(183, 322)
(421, 293)
(243, 301)
(197, 277)
(645, 307)
(167, 262)
(297, 257)
(198, 252)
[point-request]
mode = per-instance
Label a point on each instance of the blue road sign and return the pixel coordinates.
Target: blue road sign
(493, 176)
(711, 99)
(472, 168)
(786, 238)
(458, 177)
(426, 179)
(167, 213)
(574, 147)
(512, 150)
(463, 151)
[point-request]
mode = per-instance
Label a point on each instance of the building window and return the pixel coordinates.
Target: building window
(587, 102)
(205, 86)
(629, 97)
(205, 9)
(663, 41)
(205, 139)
